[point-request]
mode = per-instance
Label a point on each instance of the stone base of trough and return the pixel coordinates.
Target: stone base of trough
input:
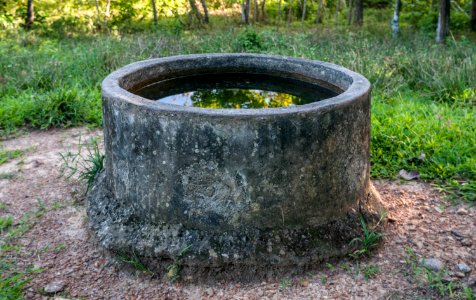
(241, 254)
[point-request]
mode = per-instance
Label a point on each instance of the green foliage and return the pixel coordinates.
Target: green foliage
(367, 242)
(249, 40)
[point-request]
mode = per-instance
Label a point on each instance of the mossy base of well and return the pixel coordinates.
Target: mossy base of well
(244, 254)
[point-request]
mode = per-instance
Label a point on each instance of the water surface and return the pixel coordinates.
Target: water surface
(235, 90)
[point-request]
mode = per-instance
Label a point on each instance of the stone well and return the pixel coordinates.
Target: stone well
(233, 188)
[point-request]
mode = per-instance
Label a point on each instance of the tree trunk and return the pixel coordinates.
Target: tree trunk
(395, 23)
(108, 8)
(359, 13)
(256, 10)
(319, 12)
(473, 16)
(443, 21)
(98, 12)
(194, 8)
(349, 15)
(290, 11)
(304, 4)
(263, 15)
(154, 10)
(245, 11)
(279, 13)
(205, 11)
(30, 15)
(337, 12)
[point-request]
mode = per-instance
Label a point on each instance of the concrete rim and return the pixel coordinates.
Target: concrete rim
(112, 86)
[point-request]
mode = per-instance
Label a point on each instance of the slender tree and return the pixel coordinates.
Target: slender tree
(194, 10)
(349, 14)
(205, 11)
(319, 12)
(443, 21)
(263, 15)
(304, 4)
(359, 13)
(108, 9)
(98, 11)
(337, 12)
(30, 14)
(154, 10)
(473, 16)
(290, 11)
(395, 23)
(279, 13)
(256, 10)
(245, 11)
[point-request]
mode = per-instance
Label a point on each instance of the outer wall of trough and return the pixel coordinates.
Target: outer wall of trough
(280, 186)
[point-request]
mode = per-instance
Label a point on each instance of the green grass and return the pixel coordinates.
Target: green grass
(6, 155)
(424, 96)
(367, 242)
(13, 278)
(370, 271)
(86, 166)
(406, 127)
(5, 222)
(433, 281)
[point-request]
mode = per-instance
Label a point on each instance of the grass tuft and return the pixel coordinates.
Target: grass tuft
(369, 240)
(87, 167)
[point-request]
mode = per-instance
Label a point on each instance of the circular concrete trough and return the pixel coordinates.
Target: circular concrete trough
(241, 189)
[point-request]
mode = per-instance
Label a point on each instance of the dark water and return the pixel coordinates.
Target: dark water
(234, 91)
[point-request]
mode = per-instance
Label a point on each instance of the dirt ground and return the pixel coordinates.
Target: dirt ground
(60, 244)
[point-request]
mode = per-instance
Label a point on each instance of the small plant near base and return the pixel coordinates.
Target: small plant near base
(370, 271)
(174, 269)
(86, 166)
(284, 284)
(368, 241)
(134, 261)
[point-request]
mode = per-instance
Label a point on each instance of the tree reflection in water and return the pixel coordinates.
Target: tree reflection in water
(241, 98)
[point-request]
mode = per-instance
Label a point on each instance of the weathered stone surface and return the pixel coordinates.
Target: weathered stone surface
(236, 188)
(433, 264)
(462, 267)
(54, 287)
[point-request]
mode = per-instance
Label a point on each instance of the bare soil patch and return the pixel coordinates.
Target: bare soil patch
(60, 243)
